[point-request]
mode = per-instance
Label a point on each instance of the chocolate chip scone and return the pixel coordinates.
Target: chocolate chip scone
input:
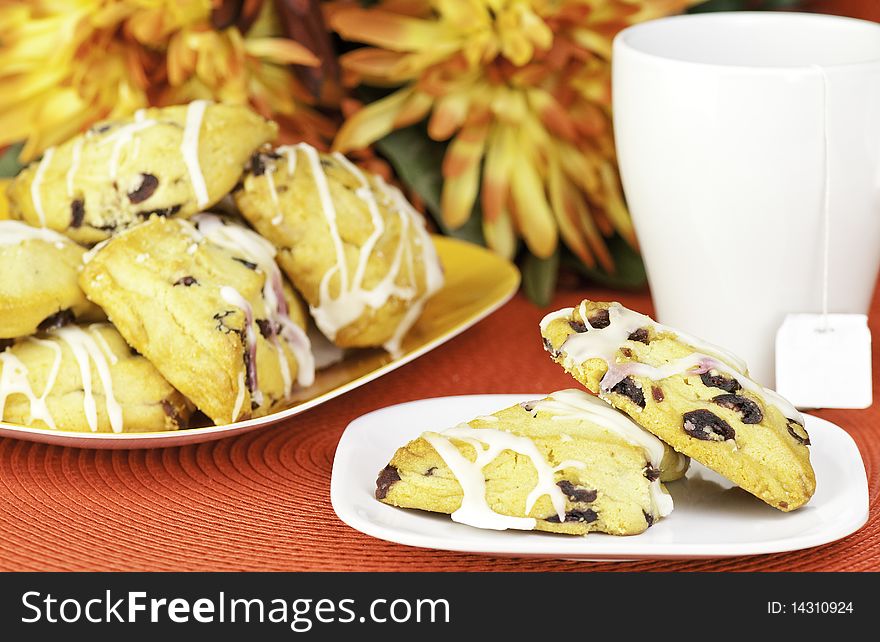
(86, 379)
(39, 288)
(205, 302)
(695, 396)
(170, 161)
(565, 464)
(352, 245)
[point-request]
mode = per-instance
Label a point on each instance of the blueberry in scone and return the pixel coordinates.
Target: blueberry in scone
(695, 396)
(205, 302)
(38, 288)
(350, 243)
(567, 463)
(165, 161)
(85, 378)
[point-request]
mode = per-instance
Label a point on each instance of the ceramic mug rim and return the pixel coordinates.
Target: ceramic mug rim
(623, 40)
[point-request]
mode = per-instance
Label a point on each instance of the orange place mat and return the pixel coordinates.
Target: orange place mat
(261, 501)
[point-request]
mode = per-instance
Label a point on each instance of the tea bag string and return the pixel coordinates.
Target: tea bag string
(826, 205)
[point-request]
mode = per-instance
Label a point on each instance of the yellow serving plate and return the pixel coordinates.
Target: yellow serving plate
(478, 282)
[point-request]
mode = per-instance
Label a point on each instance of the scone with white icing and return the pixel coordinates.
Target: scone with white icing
(568, 463)
(695, 396)
(351, 244)
(165, 161)
(38, 286)
(205, 302)
(86, 379)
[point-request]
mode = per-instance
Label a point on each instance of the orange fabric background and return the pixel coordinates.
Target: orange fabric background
(865, 9)
(261, 501)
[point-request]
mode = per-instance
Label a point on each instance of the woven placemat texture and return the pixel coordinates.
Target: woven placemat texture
(261, 501)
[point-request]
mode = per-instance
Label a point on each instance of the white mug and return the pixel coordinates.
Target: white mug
(722, 124)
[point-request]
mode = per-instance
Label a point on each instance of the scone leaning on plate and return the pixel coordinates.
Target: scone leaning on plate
(166, 161)
(204, 301)
(695, 396)
(351, 244)
(568, 463)
(38, 288)
(86, 379)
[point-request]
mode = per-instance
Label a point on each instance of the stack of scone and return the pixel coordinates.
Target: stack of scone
(171, 263)
(577, 462)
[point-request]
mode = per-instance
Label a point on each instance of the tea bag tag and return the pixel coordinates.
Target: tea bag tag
(824, 361)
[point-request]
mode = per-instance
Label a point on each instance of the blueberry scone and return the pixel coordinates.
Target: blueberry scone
(39, 288)
(696, 397)
(205, 302)
(86, 379)
(351, 244)
(166, 161)
(566, 464)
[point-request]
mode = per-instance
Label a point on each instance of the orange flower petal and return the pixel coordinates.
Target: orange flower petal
(383, 68)
(414, 109)
(371, 123)
(500, 235)
(496, 172)
(450, 112)
(566, 217)
(387, 30)
(537, 224)
(281, 50)
(552, 114)
(461, 173)
(614, 205)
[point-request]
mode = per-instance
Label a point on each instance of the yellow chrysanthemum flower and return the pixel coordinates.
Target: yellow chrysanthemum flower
(65, 65)
(522, 89)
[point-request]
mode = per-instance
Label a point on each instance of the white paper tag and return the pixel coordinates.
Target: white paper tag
(824, 361)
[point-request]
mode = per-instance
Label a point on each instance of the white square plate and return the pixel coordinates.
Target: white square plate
(712, 518)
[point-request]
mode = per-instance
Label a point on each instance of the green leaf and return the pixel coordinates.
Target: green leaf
(9, 165)
(629, 271)
(418, 161)
(539, 278)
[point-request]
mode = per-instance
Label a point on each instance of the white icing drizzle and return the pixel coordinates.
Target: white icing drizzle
(16, 232)
(564, 313)
(35, 186)
(95, 330)
(430, 263)
(76, 155)
(254, 248)
(334, 313)
(53, 373)
(86, 351)
(195, 111)
(239, 397)
(577, 405)
(137, 150)
(90, 254)
(474, 509)
(273, 195)
(581, 406)
(14, 380)
(120, 137)
(604, 343)
(234, 297)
